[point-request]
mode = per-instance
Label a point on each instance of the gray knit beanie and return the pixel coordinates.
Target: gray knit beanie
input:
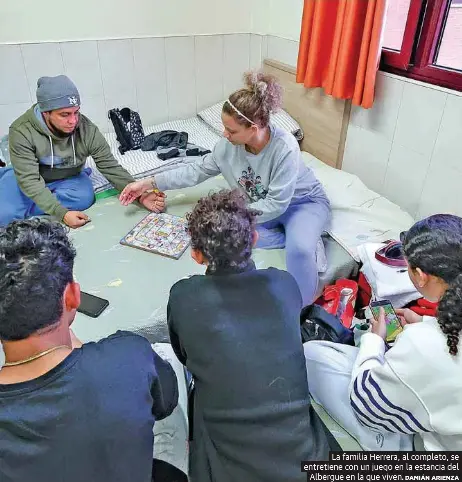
(56, 93)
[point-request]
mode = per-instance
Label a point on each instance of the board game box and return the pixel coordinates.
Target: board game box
(163, 234)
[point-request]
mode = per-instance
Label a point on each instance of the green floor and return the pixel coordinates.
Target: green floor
(137, 283)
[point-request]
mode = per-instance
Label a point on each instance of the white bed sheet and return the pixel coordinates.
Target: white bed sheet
(359, 215)
(142, 164)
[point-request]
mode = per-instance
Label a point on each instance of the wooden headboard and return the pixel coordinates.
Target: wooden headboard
(323, 119)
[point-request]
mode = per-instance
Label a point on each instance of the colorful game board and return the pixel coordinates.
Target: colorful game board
(162, 234)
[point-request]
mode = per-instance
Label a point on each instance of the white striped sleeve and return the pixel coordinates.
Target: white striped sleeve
(379, 397)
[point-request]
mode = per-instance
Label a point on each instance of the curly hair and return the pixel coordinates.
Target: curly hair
(435, 246)
(261, 98)
(36, 265)
(221, 227)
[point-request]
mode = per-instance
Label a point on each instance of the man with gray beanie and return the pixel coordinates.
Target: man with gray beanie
(49, 145)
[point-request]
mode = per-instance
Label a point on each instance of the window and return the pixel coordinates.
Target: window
(423, 41)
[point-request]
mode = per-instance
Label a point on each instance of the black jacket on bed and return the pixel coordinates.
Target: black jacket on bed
(238, 333)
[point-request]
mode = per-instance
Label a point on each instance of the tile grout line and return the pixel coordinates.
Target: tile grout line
(62, 57)
(167, 83)
(106, 116)
(432, 153)
(135, 83)
(195, 67)
(196, 72)
(393, 137)
(167, 101)
(25, 72)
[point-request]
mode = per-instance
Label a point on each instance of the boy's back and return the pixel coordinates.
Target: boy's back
(240, 337)
(91, 418)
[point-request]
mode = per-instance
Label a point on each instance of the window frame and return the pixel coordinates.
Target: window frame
(420, 42)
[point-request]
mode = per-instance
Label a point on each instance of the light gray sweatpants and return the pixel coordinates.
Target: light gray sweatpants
(329, 367)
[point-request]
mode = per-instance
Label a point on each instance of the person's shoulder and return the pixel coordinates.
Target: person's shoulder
(284, 139)
(284, 278)
(186, 284)
(223, 149)
(276, 273)
(282, 284)
(427, 327)
(21, 121)
(86, 125)
(423, 338)
(120, 342)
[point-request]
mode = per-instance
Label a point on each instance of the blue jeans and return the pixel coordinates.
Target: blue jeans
(298, 230)
(75, 193)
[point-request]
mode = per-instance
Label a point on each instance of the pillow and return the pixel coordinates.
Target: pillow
(212, 117)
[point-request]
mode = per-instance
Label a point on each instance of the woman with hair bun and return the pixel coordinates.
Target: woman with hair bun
(265, 163)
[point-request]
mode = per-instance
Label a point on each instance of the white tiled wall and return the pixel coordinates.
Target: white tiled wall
(162, 78)
(408, 146)
(283, 50)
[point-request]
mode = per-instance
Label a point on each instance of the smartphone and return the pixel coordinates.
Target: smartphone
(394, 327)
(91, 305)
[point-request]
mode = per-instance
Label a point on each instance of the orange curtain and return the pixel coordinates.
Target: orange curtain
(340, 47)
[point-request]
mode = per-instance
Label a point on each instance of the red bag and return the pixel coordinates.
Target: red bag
(425, 308)
(340, 300)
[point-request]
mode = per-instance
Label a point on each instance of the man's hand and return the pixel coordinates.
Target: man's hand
(75, 219)
(134, 190)
(408, 317)
(154, 201)
(379, 327)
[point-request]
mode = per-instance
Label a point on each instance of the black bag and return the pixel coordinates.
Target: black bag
(128, 128)
(317, 324)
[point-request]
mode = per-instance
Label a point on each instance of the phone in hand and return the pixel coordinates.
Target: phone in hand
(91, 305)
(394, 327)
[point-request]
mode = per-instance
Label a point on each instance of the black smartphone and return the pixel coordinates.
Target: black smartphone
(91, 305)
(394, 327)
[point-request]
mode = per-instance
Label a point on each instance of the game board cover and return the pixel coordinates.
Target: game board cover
(162, 234)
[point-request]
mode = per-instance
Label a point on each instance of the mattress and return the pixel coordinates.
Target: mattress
(142, 164)
(340, 264)
(359, 215)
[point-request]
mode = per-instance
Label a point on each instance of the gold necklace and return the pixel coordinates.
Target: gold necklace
(34, 357)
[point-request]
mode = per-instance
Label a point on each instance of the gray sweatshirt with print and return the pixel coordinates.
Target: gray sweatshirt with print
(272, 179)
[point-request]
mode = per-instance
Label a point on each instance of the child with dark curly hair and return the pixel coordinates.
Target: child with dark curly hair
(237, 330)
(383, 397)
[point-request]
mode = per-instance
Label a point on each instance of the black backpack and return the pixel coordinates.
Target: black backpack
(317, 324)
(128, 128)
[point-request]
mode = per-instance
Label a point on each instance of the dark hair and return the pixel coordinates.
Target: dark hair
(261, 98)
(435, 246)
(36, 264)
(221, 228)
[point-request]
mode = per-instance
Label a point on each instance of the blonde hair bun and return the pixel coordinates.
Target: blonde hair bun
(267, 88)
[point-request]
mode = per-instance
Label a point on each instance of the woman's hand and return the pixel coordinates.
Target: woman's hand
(379, 327)
(153, 201)
(408, 317)
(134, 190)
